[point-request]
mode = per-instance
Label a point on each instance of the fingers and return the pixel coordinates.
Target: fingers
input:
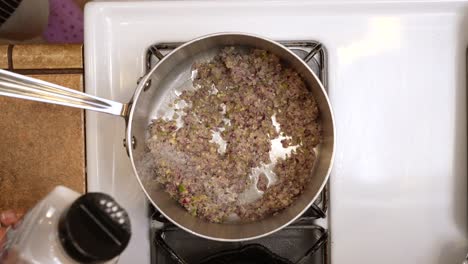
(2, 236)
(8, 218)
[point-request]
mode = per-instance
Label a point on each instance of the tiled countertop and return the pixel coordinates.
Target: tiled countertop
(42, 145)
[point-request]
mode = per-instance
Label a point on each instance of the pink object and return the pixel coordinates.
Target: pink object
(65, 22)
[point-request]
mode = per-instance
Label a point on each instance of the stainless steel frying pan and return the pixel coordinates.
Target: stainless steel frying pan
(171, 72)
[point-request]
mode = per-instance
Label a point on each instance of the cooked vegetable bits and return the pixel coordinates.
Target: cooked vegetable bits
(239, 143)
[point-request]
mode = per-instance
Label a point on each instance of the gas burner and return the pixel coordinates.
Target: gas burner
(298, 243)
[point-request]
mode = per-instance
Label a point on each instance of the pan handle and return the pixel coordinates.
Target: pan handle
(20, 86)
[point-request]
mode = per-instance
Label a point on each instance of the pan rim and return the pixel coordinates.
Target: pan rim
(139, 90)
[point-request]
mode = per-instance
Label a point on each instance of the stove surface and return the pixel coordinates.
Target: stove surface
(397, 83)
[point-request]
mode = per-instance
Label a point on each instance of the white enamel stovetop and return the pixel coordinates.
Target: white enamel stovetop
(397, 82)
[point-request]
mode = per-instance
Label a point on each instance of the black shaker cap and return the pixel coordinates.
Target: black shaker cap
(95, 228)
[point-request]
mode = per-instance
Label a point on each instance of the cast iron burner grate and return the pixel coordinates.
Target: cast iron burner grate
(302, 242)
(299, 243)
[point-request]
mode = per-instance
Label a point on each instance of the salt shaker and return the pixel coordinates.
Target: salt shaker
(65, 227)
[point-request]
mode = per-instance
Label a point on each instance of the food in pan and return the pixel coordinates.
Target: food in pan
(238, 143)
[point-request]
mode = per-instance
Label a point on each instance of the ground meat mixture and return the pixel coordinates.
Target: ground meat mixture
(239, 143)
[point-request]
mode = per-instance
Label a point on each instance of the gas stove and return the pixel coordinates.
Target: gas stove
(396, 78)
(304, 241)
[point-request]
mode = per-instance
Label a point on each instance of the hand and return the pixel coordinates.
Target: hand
(8, 218)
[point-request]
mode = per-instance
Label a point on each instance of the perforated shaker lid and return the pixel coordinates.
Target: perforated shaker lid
(94, 228)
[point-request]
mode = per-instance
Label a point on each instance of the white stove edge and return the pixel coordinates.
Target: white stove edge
(407, 60)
